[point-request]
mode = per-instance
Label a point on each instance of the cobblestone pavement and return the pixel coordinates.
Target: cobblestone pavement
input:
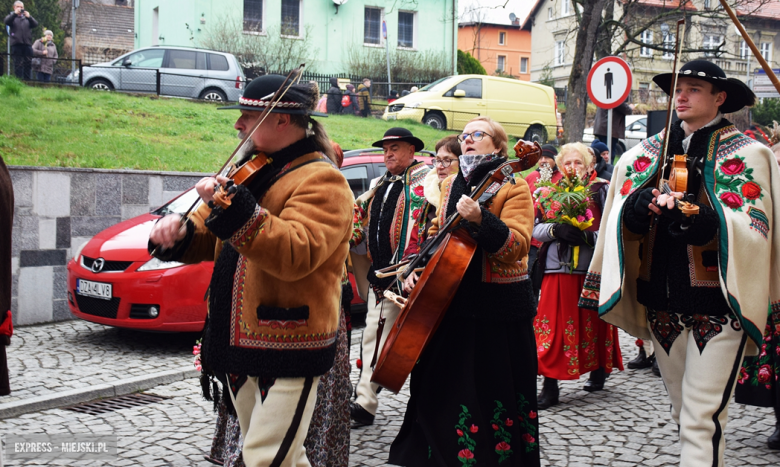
(627, 424)
(76, 354)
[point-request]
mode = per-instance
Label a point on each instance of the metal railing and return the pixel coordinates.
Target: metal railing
(26, 69)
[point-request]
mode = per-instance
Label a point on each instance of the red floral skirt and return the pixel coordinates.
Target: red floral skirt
(571, 341)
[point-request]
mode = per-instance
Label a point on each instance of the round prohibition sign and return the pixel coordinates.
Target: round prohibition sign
(609, 82)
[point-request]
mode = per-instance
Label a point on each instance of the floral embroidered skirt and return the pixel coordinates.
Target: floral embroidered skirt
(572, 341)
(473, 397)
(758, 382)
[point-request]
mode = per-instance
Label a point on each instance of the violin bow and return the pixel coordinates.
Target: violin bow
(670, 105)
(277, 97)
(752, 45)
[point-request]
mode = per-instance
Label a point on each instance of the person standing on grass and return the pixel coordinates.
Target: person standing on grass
(46, 51)
(334, 97)
(364, 97)
(21, 23)
(354, 107)
(279, 249)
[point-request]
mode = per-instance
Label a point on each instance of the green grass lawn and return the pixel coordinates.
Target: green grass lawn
(76, 127)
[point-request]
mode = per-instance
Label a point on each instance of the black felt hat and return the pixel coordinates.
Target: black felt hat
(400, 134)
(300, 99)
(548, 150)
(738, 95)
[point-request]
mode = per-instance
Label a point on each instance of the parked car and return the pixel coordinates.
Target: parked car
(636, 131)
(184, 72)
(523, 109)
(113, 280)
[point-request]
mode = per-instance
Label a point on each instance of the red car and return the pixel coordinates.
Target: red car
(113, 280)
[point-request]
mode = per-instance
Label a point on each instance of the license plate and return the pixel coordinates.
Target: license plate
(93, 289)
(391, 117)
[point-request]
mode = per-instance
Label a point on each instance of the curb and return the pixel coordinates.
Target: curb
(100, 391)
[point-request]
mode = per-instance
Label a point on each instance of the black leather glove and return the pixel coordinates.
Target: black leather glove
(642, 202)
(567, 233)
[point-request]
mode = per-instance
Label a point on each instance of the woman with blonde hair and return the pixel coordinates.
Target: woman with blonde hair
(473, 390)
(46, 56)
(571, 340)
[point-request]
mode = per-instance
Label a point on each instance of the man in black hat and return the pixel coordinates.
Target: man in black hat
(693, 284)
(391, 208)
(279, 245)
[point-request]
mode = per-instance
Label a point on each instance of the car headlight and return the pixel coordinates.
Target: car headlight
(413, 105)
(156, 264)
(78, 251)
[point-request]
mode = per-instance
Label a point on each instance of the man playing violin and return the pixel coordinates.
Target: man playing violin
(698, 285)
(390, 209)
(279, 246)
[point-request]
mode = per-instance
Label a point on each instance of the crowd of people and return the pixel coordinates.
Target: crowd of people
(347, 100)
(33, 60)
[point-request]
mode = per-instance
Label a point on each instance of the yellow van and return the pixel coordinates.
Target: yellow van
(524, 109)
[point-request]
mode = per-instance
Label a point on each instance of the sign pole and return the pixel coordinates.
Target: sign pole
(74, 6)
(609, 132)
(387, 54)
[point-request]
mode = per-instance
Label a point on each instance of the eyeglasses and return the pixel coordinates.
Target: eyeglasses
(444, 162)
(475, 136)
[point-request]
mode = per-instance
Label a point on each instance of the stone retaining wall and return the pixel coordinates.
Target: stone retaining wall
(58, 209)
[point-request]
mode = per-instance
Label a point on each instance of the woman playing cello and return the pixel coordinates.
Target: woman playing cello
(473, 391)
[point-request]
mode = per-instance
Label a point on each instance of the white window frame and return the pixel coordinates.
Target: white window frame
(707, 4)
(559, 56)
(381, 18)
(646, 38)
(524, 60)
(710, 43)
(398, 34)
(262, 21)
(499, 65)
(300, 21)
(501, 37)
(766, 51)
(550, 13)
(744, 50)
(669, 43)
(566, 8)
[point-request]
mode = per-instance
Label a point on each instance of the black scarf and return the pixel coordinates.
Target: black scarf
(460, 186)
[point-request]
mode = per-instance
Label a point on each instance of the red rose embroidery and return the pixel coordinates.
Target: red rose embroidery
(465, 454)
(503, 446)
(532, 414)
(731, 199)
(509, 422)
(415, 214)
(495, 427)
(642, 163)
(751, 190)
(419, 190)
(528, 438)
(474, 428)
(764, 374)
(733, 167)
(626, 188)
(460, 433)
(743, 375)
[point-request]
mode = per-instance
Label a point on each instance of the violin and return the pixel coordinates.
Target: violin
(677, 163)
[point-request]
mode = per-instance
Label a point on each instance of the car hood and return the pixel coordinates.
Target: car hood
(126, 241)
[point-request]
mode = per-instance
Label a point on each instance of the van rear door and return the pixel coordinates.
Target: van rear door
(516, 104)
(471, 105)
(184, 73)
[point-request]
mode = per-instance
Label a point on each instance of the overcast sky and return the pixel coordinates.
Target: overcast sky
(494, 11)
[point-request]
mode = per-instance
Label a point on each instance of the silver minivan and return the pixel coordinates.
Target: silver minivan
(183, 72)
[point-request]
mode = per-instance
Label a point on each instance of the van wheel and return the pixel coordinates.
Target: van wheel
(100, 85)
(214, 95)
(536, 134)
(435, 120)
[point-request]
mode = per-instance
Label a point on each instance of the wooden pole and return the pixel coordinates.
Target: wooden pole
(769, 72)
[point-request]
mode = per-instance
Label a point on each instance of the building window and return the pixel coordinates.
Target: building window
(766, 51)
(647, 38)
(669, 44)
(253, 15)
(744, 50)
(291, 18)
(550, 14)
(566, 8)
(560, 52)
(372, 26)
(712, 42)
(523, 64)
(501, 38)
(707, 4)
(501, 63)
(406, 29)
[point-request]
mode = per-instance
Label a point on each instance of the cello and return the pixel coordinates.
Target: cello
(448, 255)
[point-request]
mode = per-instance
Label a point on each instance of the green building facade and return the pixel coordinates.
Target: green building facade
(423, 27)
